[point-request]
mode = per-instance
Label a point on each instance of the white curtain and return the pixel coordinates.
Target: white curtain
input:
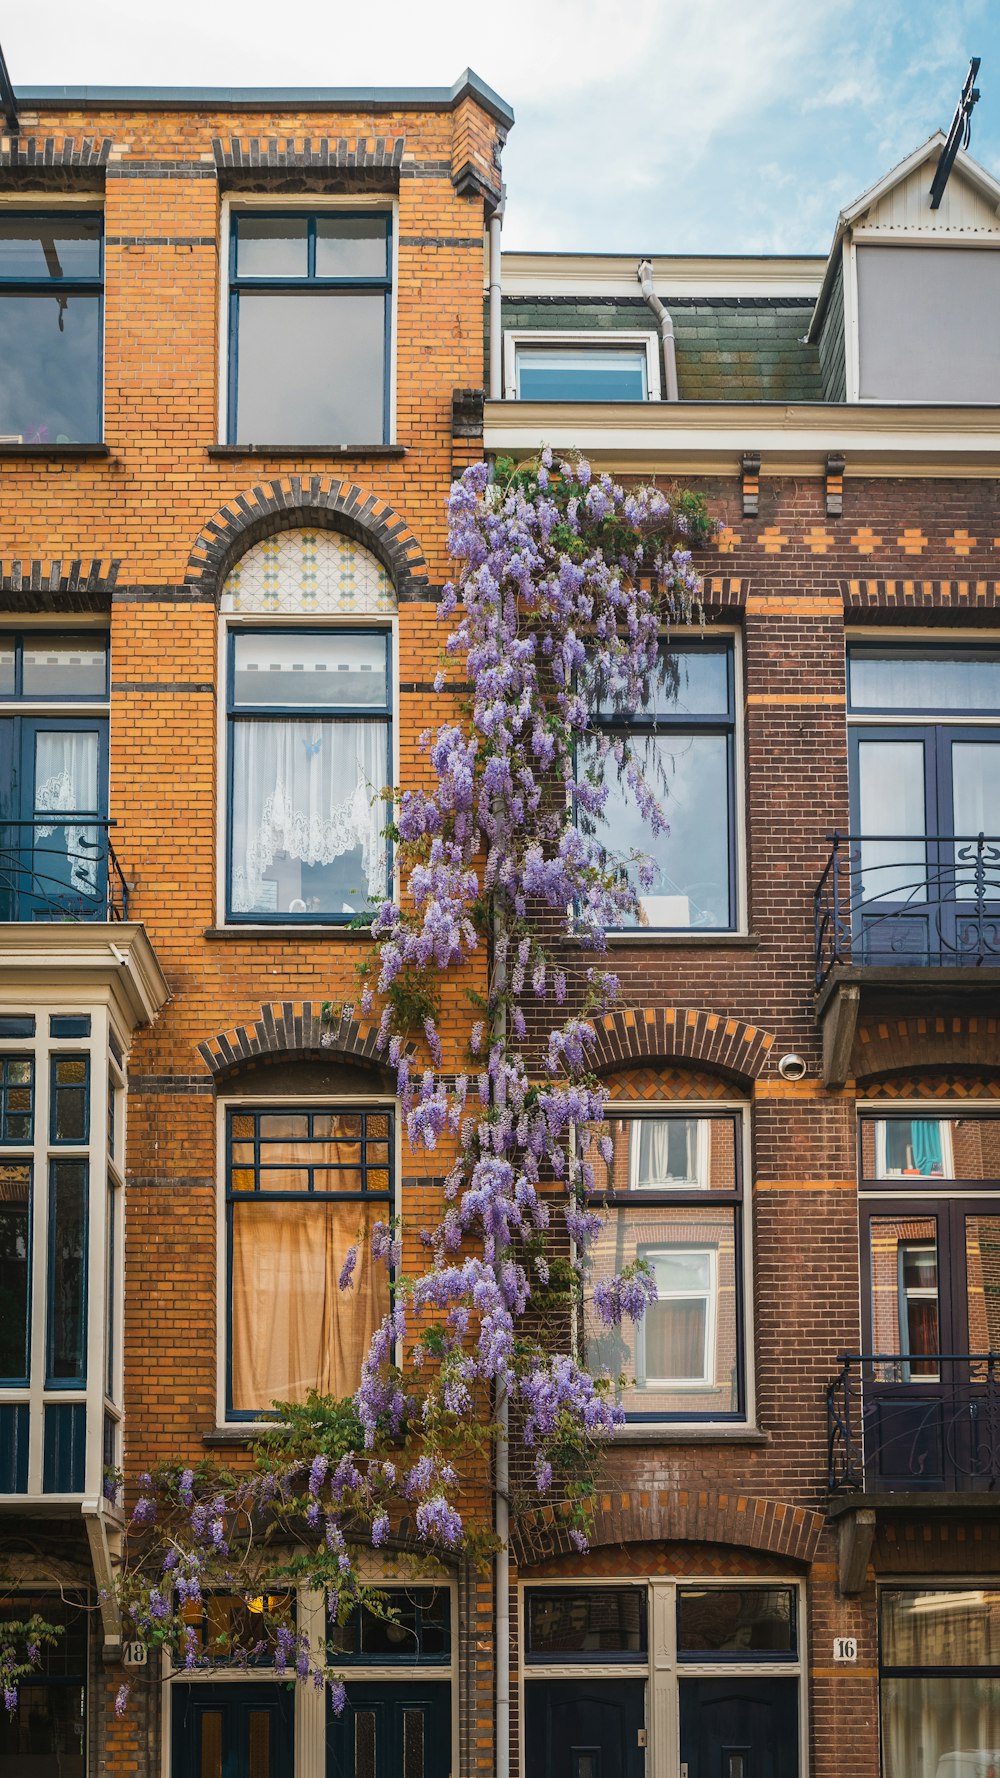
(891, 789)
(66, 763)
(308, 791)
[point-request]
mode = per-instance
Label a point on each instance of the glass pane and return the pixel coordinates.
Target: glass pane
(244, 1631)
(15, 1264)
(681, 1358)
(293, 1328)
(666, 1154)
(50, 246)
(110, 1294)
(891, 802)
(70, 1099)
(272, 246)
(308, 818)
(416, 1626)
(260, 1744)
(352, 247)
(66, 773)
(982, 1261)
(905, 1317)
(413, 1744)
(311, 368)
(899, 679)
(17, 1098)
(50, 389)
(57, 666)
(940, 1728)
(736, 1620)
(211, 1744)
(931, 1147)
(46, 1734)
(689, 775)
(585, 1620)
(364, 1744)
(581, 373)
(940, 1629)
(686, 682)
(318, 671)
(975, 767)
(67, 1360)
(6, 669)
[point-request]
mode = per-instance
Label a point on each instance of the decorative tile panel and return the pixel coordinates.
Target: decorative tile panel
(306, 573)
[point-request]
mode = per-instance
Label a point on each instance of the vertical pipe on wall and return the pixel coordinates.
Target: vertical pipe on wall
(645, 277)
(501, 1524)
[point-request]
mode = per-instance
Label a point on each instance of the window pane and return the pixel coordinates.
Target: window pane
(46, 1733)
(364, 1744)
(682, 1357)
(50, 246)
(49, 368)
(931, 1147)
(891, 800)
(982, 1261)
(689, 775)
(308, 817)
(905, 1320)
(211, 1744)
(940, 1728)
(67, 1271)
(17, 1098)
(581, 373)
(418, 1629)
(228, 1628)
(900, 679)
(352, 247)
(686, 682)
(70, 1099)
(666, 1154)
(736, 1620)
(15, 1263)
(293, 1329)
(272, 246)
(311, 369)
(74, 666)
(259, 1722)
(940, 1629)
(321, 671)
(585, 1620)
(7, 669)
(413, 1743)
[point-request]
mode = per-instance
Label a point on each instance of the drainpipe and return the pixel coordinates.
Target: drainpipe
(501, 1524)
(645, 277)
(496, 335)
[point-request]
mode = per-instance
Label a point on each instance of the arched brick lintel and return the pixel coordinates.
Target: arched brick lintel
(684, 1516)
(642, 1034)
(292, 1028)
(914, 1045)
(321, 501)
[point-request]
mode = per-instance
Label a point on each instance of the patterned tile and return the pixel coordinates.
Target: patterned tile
(308, 572)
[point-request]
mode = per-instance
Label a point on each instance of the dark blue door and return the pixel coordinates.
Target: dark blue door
(739, 1728)
(391, 1731)
(233, 1731)
(584, 1728)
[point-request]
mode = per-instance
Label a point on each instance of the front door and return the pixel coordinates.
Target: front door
(584, 1728)
(739, 1728)
(233, 1731)
(391, 1730)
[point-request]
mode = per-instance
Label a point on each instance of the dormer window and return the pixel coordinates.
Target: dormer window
(549, 366)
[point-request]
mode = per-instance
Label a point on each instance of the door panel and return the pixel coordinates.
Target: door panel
(233, 1731)
(739, 1728)
(584, 1728)
(391, 1731)
(894, 799)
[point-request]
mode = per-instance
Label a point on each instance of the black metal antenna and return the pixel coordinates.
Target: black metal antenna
(958, 135)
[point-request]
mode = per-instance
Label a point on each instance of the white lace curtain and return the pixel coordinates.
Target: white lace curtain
(66, 766)
(308, 791)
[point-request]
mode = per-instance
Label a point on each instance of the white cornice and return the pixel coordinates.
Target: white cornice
(84, 961)
(711, 437)
(614, 275)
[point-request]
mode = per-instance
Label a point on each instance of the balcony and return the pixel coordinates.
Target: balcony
(63, 869)
(898, 918)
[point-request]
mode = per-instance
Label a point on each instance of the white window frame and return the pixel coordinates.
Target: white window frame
(595, 340)
(709, 1296)
(882, 1169)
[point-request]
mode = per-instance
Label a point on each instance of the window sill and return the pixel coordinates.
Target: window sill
(733, 941)
(357, 934)
(55, 453)
(719, 1433)
(234, 1435)
(306, 450)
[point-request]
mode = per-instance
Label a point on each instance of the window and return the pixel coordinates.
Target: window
(47, 1732)
(918, 307)
(302, 1187)
(939, 1682)
(415, 1626)
(684, 738)
(684, 1359)
(309, 737)
(51, 279)
(582, 367)
(309, 320)
(15, 1270)
(749, 1623)
(585, 1624)
(229, 1627)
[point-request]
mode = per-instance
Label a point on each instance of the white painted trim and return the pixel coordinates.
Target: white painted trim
(645, 339)
(614, 274)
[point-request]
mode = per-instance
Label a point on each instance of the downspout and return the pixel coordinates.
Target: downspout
(645, 277)
(496, 334)
(501, 1523)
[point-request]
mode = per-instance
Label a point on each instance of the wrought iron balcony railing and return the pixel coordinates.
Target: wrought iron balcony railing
(896, 899)
(897, 1422)
(60, 867)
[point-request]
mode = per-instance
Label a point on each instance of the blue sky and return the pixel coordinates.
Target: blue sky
(685, 126)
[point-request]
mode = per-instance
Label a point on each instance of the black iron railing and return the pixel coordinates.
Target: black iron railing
(60, 867)
(896, 1422)
(897, 899)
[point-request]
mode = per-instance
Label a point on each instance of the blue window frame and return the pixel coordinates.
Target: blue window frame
(66, 1365)
(51, 301)
(303, 1186)
(684, 737)
(69, 1099)
(585, 1624)
(310, 746)
(310, 304)
(745, 1623)
(16, 1211)
(416, 1628)
(17, 1099)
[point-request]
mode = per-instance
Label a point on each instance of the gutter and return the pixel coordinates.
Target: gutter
(645, 277)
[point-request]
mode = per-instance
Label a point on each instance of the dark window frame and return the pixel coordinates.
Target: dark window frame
(915, 1184)
(55, 1057)
(738, 1656)
(8, 1141)
(78, 286)
(24, 1382)
(406, 1657)
(588, 1657)
(22, 637)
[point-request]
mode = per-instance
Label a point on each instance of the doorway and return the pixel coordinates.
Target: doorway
(585, 1728)
(391, 1730)
(739, 1728)
(233, 1731)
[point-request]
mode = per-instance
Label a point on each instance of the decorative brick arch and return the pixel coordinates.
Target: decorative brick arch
(684, 1516)
(929, 1042)
(318, 501)
(290, 1029)
(641, 1034)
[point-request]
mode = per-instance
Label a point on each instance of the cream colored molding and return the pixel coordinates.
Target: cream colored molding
(614, 275)
(82, 963)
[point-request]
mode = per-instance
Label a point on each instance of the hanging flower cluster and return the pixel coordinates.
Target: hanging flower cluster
(565, 584)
